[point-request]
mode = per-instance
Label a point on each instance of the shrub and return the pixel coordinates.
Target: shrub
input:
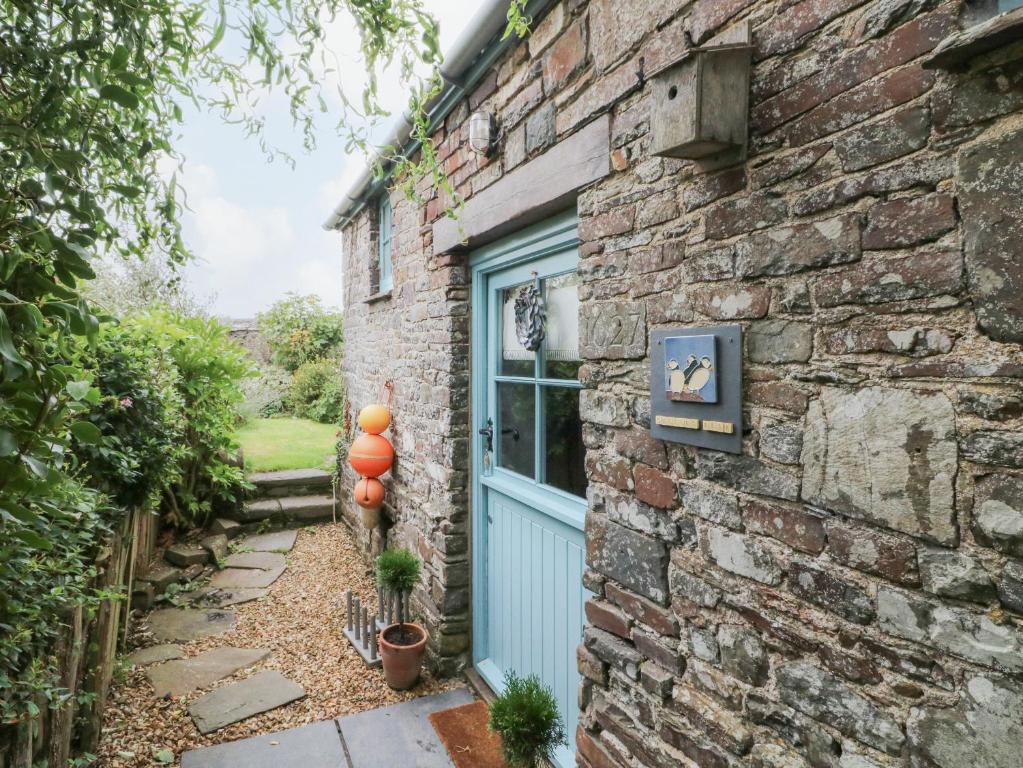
(317, 391)
(210, 368)
(140, 418)
(527, 717)
(397, 574)
(298, 329)
(266, 395)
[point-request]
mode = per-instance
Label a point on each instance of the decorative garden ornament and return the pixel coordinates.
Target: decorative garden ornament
(374, 419)
(530, 316)
(371, 455)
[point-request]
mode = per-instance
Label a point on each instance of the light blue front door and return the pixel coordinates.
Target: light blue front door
(528, 502)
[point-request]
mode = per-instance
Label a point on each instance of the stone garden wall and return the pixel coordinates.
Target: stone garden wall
(848, 592)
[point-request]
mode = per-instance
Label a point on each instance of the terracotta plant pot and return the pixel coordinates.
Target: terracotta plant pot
(402, 663)
(370, 517)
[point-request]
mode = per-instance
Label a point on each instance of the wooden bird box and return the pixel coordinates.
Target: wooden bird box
(701, 103)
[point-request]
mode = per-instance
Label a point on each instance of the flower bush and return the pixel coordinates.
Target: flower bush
(298, 330)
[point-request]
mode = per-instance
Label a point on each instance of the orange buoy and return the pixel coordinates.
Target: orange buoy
(371, 455)
(374, 419)
(369, 493)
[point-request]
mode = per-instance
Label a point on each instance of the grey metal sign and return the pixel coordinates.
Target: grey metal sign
(696, 386)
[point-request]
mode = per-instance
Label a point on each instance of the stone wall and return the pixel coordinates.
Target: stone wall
(848, 592)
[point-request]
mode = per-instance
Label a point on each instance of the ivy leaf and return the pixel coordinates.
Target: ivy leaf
(78, 389)
(163, 756)
(39, 469)
(33, 539)
(86, 432)
(7, 349)
(122, 96)
(8, 444)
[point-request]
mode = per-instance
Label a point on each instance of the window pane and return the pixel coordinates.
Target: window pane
(515, 360)
(384, 267)
(564, 435)
(516, 408)
(561, 347)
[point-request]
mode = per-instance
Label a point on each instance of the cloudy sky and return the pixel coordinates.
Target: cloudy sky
(256, 226)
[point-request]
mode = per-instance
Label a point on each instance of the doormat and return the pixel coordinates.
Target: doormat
(467, 738)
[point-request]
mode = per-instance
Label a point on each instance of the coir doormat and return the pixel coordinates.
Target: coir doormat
(470, 743)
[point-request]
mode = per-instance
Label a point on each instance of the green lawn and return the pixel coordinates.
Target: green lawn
(271, 444)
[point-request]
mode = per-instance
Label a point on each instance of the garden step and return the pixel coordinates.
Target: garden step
(288, 509)
(290, 482)
(229, 528)
(182, 676)
(184, 555)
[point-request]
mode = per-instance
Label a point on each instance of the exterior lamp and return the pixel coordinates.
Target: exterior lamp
(482, 133)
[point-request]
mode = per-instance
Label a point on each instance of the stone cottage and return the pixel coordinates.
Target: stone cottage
(834, 578)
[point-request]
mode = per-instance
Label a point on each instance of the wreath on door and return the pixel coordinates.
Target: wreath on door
(530, 316)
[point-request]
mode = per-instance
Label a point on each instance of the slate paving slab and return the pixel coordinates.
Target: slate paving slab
(184, 555)
(154, 654)
(183, 625)
(264, 561)
(260, 693)
(400, 734)
(222, 598)
(311, 746)
(277, 541)
(245, 578)
(176, 678)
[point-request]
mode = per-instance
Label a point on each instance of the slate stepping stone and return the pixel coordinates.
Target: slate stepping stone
(184, 555)
(154, 654)
(278, 541)
(264, 561)
(393, 735)
(216, 545)
(229, 528)
(177, 678)
(260, 693)
(183, 625)
(222, 598)
(245, 578)
(310, 746)
(162, 576)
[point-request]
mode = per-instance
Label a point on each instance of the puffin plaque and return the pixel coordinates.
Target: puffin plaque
(696, 386)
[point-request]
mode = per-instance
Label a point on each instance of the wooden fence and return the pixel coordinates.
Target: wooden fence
(85, 653)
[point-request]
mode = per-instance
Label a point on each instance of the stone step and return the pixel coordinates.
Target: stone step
(290, 482)
(182, 676)
(287, 509)
(184, 554)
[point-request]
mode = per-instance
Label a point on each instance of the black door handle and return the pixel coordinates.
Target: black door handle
(488, 432)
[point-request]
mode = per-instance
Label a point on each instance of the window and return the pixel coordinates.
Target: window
(539, 433)
(385, 273)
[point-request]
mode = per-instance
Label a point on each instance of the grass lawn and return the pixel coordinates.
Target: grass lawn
(271, 444)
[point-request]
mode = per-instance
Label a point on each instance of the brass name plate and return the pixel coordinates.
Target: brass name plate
(676, 421)
(724, 427)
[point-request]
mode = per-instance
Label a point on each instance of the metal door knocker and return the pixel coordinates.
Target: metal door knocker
(530, 316)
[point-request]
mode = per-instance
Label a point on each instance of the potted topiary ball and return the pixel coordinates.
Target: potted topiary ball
(527, 717)
(402, 645)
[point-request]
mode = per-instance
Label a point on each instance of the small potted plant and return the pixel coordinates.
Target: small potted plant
(527, 717)
(402, 645)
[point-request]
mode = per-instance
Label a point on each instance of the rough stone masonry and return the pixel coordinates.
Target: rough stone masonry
(848, 592)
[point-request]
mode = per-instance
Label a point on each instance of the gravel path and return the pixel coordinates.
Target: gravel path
(300, 621)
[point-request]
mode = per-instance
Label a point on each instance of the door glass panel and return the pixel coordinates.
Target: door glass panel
(563, 431)
(561, 346)
(516, 407)
(515, 360)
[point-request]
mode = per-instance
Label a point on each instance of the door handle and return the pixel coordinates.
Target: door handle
(488, 432)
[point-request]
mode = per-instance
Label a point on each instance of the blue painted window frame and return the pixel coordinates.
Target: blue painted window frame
(385, 268)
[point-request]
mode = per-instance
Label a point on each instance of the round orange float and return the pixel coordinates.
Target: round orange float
(369, 493)
(371, 455)
(374, 419)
